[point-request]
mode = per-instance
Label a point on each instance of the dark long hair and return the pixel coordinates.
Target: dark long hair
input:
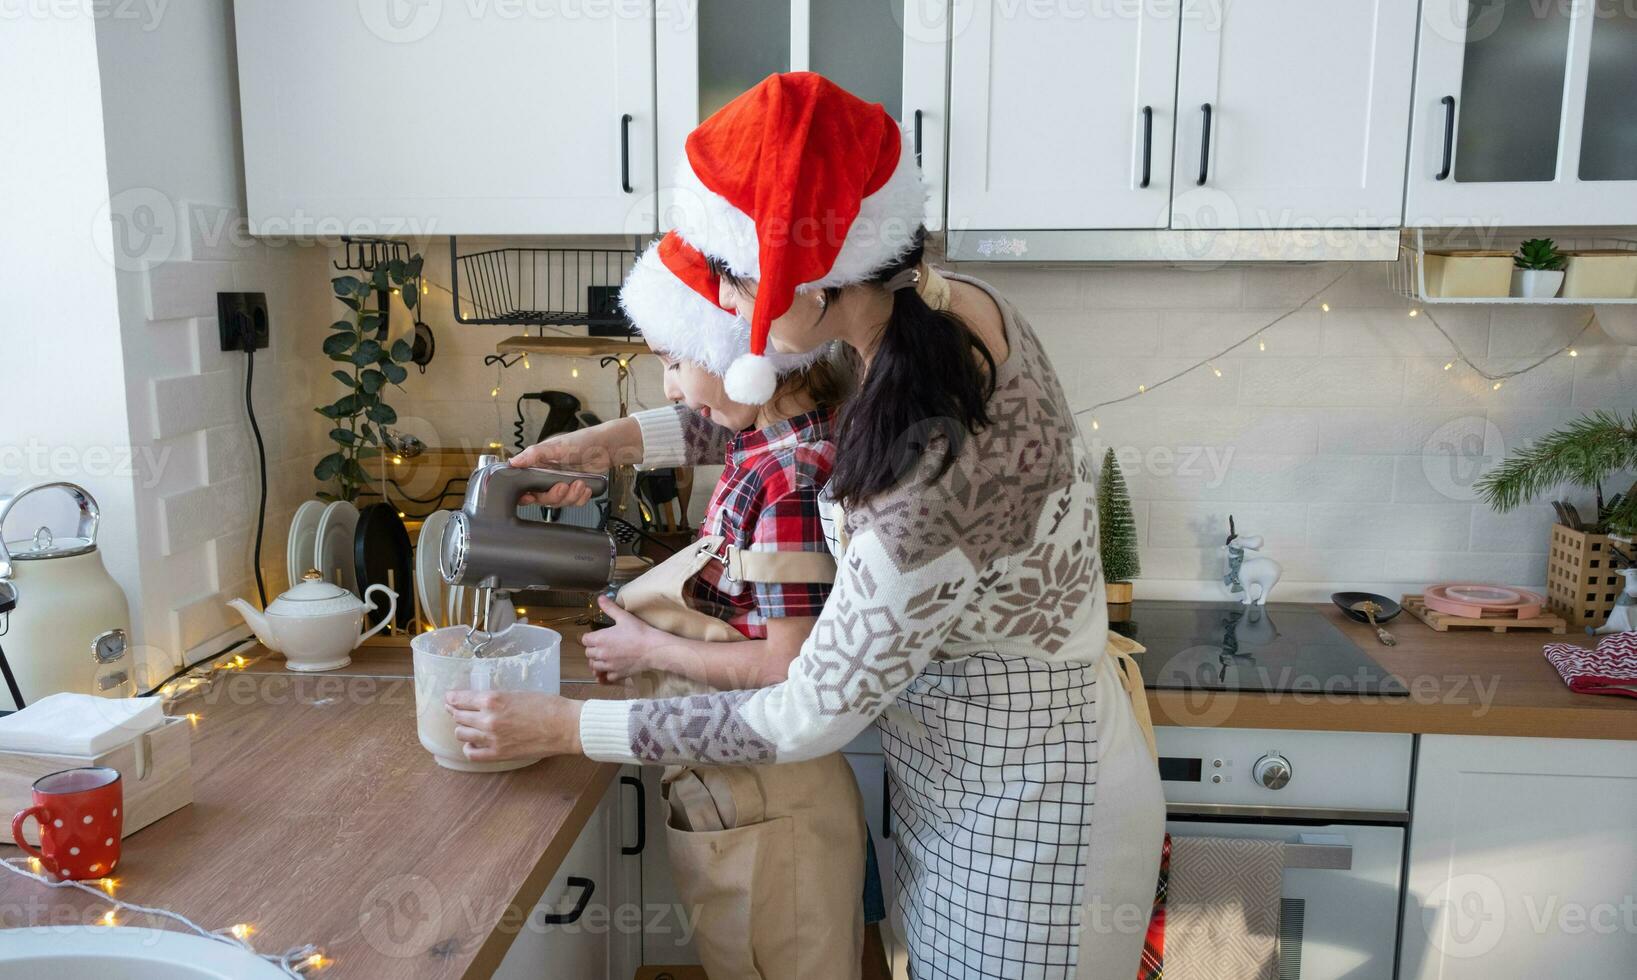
(928, 377)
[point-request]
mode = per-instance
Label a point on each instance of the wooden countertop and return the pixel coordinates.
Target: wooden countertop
(318, 817)
(1464, 682)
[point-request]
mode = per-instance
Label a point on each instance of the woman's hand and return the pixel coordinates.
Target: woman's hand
(594, 450)
(624, 649)
(501, 725)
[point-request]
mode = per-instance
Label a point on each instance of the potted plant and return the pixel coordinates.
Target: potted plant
(1538, 269)
(1581, 584)
(1118, 533)
(358, 341)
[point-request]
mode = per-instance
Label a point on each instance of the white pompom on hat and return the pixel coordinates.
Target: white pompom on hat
(800, 185)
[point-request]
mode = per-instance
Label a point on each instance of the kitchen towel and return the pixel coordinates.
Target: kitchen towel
(78, 724)
(1222, 908)
(1609, 669)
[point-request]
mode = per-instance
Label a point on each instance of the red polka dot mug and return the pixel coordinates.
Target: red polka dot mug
(80, 821)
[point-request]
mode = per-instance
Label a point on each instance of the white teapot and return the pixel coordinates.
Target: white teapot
(316, 624)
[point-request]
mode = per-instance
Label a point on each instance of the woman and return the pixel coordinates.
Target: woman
(967, 618)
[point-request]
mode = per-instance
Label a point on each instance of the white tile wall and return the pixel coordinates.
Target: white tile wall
(1345, 442)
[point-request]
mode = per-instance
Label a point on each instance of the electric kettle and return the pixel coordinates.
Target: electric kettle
(486, 545)
(68, 628)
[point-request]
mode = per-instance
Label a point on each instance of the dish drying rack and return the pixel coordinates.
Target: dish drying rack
(523, 286)
(1408, 273)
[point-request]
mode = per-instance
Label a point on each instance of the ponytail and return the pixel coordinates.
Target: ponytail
(928, 376)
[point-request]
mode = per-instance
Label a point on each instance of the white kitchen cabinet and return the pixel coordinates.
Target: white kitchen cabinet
(1060, 118)
(887, 51)
(447, 118)
(1522, 858)
(1524, 115)
(1281, 114)
(667, 941)
(598, 890)
(1292, 113)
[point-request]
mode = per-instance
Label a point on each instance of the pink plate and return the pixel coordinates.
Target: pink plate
(1474, 600)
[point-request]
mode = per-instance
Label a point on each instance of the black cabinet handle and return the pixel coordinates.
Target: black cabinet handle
(1147, 142)
(642, 815)
(625, 152)
(573, 914)
(1449, 137)
(886, 806)
(1204, 144)
(917, 137)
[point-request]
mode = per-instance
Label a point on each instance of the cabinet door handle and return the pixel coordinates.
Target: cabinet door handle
(1204, 144)
(1147, 142)
(1449, 137)
(573, 914)
(642, 815)
(625, 153)
(918, 137)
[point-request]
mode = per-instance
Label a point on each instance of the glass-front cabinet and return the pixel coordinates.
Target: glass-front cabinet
(1525, 114)
(887, 51)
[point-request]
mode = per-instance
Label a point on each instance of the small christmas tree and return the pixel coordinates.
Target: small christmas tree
(1117, 528)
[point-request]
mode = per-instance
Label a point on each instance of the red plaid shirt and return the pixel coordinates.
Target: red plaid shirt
(767, 500)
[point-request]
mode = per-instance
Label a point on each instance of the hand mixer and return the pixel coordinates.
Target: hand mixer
(487, 546)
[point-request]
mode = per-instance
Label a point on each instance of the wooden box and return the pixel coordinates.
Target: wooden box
(156, 769)
(1581, 583)
(1468, 274)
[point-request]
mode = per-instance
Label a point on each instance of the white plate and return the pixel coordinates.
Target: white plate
(333, 551)
(299, 550)
(430, 588)
(72, 952)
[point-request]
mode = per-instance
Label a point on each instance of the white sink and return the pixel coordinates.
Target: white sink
(123, 953)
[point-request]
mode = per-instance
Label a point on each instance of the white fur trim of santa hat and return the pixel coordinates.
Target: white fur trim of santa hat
(677, 321)
(881, 234)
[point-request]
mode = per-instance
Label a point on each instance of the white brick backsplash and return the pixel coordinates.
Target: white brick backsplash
(1606, 382)
(1391, 527)
(1202, 333)
(1144, 287)
(1435, 477)
(1396, 431)
(1077, 336)
(1526, 529)
(1140, 424)
(1329, 380)
(186, 289)
(1183, 524)
(1530, 331)
(1421, 568)
(203, 618)
(195, 516)
(188, 403)
(1427, 383)
(1355, 332)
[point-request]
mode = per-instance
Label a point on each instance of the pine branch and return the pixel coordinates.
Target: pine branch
(1586, 451)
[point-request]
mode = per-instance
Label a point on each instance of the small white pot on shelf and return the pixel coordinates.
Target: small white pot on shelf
(1536, 283)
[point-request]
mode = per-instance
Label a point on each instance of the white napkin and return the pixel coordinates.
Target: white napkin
(78, 724)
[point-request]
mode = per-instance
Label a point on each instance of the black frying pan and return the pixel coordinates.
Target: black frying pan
(382, 555)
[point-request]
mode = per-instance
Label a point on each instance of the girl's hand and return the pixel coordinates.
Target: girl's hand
(500, 725)
(624, 649)
(594, 450)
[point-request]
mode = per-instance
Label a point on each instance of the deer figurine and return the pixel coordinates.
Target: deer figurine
(1253, 574)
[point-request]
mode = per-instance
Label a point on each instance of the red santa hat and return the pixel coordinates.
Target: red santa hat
(800, 185)
(670, 295)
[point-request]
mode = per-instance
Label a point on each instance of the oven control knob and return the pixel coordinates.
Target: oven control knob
(1272, 770)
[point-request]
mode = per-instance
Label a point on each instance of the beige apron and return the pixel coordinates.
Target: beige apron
(771, 858)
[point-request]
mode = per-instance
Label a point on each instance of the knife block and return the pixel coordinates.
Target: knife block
(156, 770)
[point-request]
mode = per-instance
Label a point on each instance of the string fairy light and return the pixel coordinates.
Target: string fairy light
(1496, 379)
(297, 962)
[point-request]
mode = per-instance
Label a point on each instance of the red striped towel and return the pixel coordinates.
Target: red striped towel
(1609, 669)
(1153, 948)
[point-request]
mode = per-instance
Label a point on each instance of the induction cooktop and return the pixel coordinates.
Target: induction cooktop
(1225, 646)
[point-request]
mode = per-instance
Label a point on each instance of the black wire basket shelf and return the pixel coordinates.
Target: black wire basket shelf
(564, 287)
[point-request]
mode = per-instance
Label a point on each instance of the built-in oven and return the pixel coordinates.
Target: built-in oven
(1338, 800)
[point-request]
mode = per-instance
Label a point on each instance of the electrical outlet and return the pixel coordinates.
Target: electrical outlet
(242, 316)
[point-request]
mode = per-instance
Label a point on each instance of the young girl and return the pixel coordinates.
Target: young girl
(778, 897)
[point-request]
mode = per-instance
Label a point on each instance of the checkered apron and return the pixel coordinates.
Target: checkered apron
(995, 763)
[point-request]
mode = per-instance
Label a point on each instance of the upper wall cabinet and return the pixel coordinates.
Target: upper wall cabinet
(453, 118)
(1525, 115)
(1227, 114)
(887, 51)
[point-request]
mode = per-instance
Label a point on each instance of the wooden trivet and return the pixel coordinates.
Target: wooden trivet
(1443, 622)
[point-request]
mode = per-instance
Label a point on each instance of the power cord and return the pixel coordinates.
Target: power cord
(261, 456)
